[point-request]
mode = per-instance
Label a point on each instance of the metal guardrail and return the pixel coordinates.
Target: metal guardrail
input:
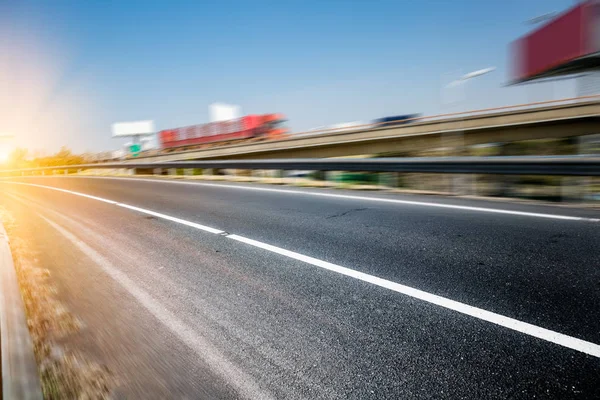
(20, 379)
(563, 165)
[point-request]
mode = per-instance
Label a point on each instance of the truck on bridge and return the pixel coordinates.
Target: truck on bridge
(248, 128)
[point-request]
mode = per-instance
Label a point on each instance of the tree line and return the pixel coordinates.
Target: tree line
(20, 158)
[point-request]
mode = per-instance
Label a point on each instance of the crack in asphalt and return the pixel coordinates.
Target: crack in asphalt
(346, 212)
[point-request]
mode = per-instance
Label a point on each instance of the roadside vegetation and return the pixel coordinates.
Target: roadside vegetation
(65, 372)
(21, 158)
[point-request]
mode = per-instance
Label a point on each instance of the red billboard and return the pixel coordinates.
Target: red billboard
(566, 44)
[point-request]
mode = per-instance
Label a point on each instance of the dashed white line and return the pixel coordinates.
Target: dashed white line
(173, 219)
(507, 322)
(488, 316)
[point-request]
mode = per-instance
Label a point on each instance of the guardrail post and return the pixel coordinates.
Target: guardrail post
(393, 179)
(243, 172)
(454, 143)
(319, 175)
(566, 189)
(157, 171)
(574, 189)
(400, 179)
(462, 184)
(255, 173)
(387, 179)
(335, 177)
(188, 171)
(471, 184)
(583, 147)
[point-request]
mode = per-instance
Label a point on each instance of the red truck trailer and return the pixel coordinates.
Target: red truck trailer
(267, 126)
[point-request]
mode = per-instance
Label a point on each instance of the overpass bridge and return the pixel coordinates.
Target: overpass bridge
(548, 120)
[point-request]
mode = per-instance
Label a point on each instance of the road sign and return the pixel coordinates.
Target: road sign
(135, 149)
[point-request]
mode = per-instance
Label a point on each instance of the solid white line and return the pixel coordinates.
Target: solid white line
(66, 191)
(366, 198)
(408, 202)
(187, 335)
(507, 322)
(510, 323)
(138, 209)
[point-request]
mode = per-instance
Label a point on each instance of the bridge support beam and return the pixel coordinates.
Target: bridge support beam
(587, 145)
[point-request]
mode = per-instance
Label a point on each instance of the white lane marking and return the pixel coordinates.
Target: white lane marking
(187, 335)
(174, 219)
(507, 322)
(366, 198)
(138, 209)
(67, 191)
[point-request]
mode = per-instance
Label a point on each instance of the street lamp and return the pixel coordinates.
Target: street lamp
(470, 75)
(461, 81)
(456, 141)
(541, 18)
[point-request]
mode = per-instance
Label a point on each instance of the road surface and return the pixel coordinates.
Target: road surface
(210, 290)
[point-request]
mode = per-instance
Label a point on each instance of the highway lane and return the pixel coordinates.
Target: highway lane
(282, 327)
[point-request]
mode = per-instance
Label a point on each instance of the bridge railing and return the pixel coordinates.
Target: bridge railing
(419, 119)
(455, 115)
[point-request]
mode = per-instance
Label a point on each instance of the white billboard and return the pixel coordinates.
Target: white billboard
(223, 112)
(123, 129)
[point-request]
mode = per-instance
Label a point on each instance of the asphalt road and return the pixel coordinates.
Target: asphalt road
(180, 311)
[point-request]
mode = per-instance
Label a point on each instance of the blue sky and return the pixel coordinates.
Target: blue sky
(318, 62)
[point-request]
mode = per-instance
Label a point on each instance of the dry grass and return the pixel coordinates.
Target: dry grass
(65, 373)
